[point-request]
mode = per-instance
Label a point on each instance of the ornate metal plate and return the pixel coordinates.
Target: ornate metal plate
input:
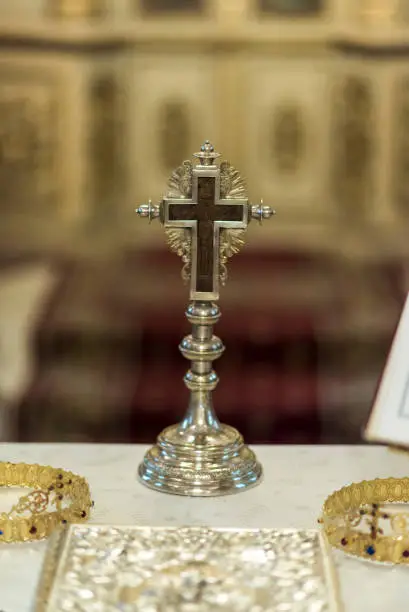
(104, 568)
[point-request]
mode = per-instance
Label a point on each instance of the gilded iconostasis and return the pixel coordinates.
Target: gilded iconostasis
(101, 100)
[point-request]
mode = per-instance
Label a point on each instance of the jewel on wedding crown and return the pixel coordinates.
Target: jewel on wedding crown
(399, 524)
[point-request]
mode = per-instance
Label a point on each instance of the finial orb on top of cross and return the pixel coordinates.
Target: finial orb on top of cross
(207, 154)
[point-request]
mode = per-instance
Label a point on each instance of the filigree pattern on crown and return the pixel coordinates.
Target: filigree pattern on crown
(365, 520)
(59, 497)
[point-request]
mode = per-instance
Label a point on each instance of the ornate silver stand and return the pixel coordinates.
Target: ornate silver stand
(200, 456)
(205, 215)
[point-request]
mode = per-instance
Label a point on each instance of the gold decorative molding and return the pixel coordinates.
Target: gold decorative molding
(288, 138)
(353, 145)
(76, 9)
(170, 7)
(28, 145)
(401, 149)
(106, 142)
(174, 133)
(298, 8)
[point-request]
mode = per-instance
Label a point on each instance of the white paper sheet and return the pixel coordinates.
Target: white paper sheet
(389, 419)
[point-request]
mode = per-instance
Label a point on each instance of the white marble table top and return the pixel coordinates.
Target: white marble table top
(297, 480)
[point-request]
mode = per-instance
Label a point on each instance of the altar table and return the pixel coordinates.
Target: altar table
(297, 480)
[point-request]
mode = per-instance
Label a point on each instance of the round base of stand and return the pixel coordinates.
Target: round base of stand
(200, 463)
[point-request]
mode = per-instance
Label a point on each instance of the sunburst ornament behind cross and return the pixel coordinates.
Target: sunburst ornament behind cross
(205, 214)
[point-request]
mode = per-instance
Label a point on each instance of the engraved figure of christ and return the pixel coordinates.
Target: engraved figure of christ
(206, 212)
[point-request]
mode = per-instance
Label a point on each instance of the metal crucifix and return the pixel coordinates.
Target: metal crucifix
(208, 205)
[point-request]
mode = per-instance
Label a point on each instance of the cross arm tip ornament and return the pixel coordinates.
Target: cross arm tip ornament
(149, 211)
(262, 211)
(259, 212)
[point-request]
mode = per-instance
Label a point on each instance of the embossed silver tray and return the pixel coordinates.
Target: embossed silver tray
(100, 568)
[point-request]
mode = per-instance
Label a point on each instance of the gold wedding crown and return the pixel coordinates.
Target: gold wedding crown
(360, 520)
(58, 497)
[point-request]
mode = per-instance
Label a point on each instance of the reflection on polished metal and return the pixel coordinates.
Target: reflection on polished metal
(205, 215)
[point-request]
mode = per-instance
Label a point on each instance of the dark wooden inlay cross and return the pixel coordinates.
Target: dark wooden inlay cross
(208, 214)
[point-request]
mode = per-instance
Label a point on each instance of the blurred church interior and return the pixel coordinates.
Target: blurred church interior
(99, 101)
